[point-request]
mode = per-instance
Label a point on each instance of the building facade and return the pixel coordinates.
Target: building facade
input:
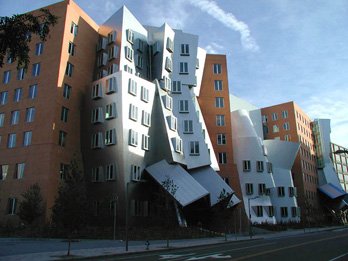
(340, 163)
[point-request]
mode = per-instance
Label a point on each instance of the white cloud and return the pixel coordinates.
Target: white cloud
(229, 20)
(214, 48)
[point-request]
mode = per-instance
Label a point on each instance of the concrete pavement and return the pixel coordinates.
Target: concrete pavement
(95, 248)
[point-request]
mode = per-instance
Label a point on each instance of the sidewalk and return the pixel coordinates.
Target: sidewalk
(139, 246)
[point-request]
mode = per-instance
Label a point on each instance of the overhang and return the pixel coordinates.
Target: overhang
(332, 191)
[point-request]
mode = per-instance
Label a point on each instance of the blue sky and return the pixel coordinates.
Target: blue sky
(277, 50)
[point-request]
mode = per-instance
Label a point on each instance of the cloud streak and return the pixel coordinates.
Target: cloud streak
(229, 20)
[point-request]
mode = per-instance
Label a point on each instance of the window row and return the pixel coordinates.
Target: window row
(270, 211)
(259, 166)
(262, 190)
(104, 173)
(12, 139)
(21, 72)
(98, 140)
(15, 116)
(18, 172)
(18, 94)
(133, 140)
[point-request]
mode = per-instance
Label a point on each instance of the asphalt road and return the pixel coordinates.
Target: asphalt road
(328, 246)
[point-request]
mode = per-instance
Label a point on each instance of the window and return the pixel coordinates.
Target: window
(97, 115)
(11, 140)
(128, 69)
(97, 174)
(269, 167)
(259, 166)
(294, 211)
(146, 118)
(264, 118)
(112, 52)
(287, 137)
(33, 91)
(176, 87)
(67, 91)
(130, 35)
(156, 48)
(64, 114)
(19, 170)
(275, 129)
(166, 84)
(112, 37)
(73, 28)
(97, 140)
(30, 114)
(133, 112)
(220, 120)
(217, 68)
(20, 74)
(7, 77)
(246, 165)
(129, 53)
(281, 192)
(222, 157)
(221, 139)
(286, 126)
(218, 85)
(110, 172)
(39, 48)
(259, 211)
(169, 65)
(27, 138)
(285, 114)
(183, 68)
(145, 96)
(69, 69)
(71, 48)
(194, 148)
(249, 189)
(132, 87)
(284, 211)
(133, 138)
(2, 119)
(270, 211)
(219, 102)
(11, 206)
(3, 98)
(110, 137)
(135, 173)
(168, 102)
(36, 69)
(14, 117)
(185, 49)
(3, 172)
(17, 95)
(97, 91)
(177, 144)
(145, 142)
(274, 116)
(188, 126)
(110, 111)
(170, 45)
(112, 68)
(62, 138)
(262, 189)
(183, 106)
(292, 192)
(172, 122)
(139, 61)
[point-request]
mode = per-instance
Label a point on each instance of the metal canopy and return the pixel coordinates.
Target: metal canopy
(332, 191)
(188, 190)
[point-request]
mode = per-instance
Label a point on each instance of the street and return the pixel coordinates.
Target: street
(328, 245)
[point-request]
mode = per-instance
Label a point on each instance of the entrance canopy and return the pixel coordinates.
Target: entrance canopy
(332, 191)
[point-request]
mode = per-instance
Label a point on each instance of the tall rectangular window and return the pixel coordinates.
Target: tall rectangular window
(33, 91)
(110, 137)
(183, 68)
(262, 189)
(2, 119)
(130, 35)
(111, 85)
(194, 148)
(146, 118)
(97, 141)
(110, 172)
(168, 102)
(11, 206)
(259, 211)
(129, 54)
(69, 69)
(217, 68)
(74, 28)
(274, 116)
(39, 48)
(66, 91)
(285, 114)
(246, 165)
(14, 117)
(30, 114)
(177, 144)
(259, 166)
(132, 87)
(3, 172)
(20, 74)
(176, 87)
(222, 157)
(71, 48)
(36, 69)
(135, 173)
(220, 120)
(27, 138)
(286, 126)
(133, 112)
(110, 111)
(172, 122)
(269, 167)
(219, 102)
(284, 212)
(97, 91)
(11, 140)
(249, 188)
(3, 97)
(218, 85)
(64, 114)
(145, 96)
(133, 138)
(7, 77)
(221, 139)
(97, 115)
(62, 138)
(185, 49)
(17, 94)
(281, 191)
(145, 142)
(183, 106)
(188, 126)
